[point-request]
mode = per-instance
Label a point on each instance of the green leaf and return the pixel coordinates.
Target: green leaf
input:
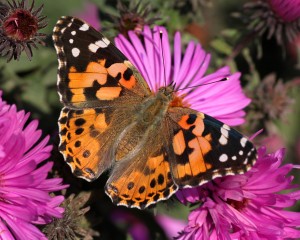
(177, 210)
(50, 78)
(35, 95)
(104, 7)
(54, 10)
(221, 46)
(41, 57)
(253, 78)
(230, 33)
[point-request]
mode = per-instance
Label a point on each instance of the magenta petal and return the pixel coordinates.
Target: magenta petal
(177, 54)
(167, 56)
(139, 54)
(150, 55)
(196, 67)
(5, 233)
(288, 10)
(14, 175)
(25, 214)
(31, 130)
(185, 65)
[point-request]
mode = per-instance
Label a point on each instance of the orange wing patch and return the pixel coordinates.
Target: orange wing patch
(128, 80)
(179, 143)
(196, 161)
(99, 82)
(190, 147)
(141, 188)
(108, 93)
(94, 72)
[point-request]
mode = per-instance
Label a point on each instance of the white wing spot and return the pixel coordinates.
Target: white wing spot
(246, 161)
(223, 140)
(243, 141)
(224, 132)
(63, 30)
(102, 43)
(84, 27)
(71, 41)
(73, 33)
(226, 127)
(93, 47)
(106, 41)
(75, 52)
(223, 158)
(241, 152)
(233, 157)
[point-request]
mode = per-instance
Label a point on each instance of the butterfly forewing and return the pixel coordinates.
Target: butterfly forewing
(92, 71)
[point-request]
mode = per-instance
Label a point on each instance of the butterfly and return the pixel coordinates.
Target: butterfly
(111, 121)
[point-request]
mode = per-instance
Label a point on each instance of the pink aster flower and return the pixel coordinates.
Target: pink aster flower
(288, 10)
(24, 187)
(151, 54)
(247, 206)
(275, 18)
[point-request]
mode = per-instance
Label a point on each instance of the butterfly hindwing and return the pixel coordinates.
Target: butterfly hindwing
(142, 181)
(92, 71)
(204, 148)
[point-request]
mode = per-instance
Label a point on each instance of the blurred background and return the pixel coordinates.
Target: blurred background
(252, 37)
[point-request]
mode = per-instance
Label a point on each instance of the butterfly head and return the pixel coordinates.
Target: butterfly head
(174, 98)
(167, 91)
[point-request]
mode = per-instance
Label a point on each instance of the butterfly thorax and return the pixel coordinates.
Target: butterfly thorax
(145, 122)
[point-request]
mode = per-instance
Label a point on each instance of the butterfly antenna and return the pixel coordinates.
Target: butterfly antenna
(163, 56)
(203, 84)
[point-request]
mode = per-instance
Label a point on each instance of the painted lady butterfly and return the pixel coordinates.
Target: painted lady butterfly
(111, 120)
